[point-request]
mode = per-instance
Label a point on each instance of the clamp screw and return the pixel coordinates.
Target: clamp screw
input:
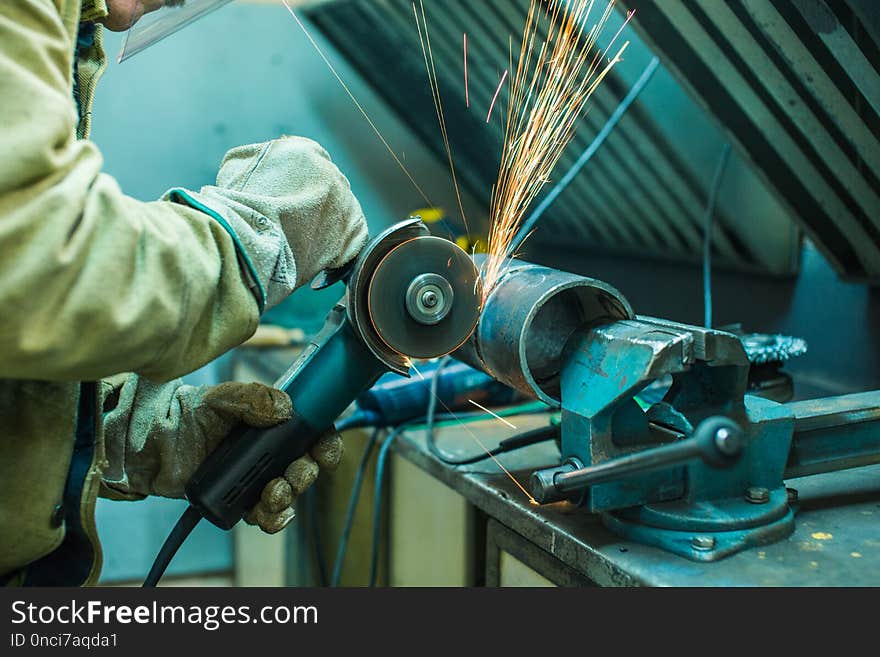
(703, 543)
(757, 495)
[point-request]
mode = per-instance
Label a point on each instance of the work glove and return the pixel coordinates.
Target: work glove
(156, 435)
(290, 210)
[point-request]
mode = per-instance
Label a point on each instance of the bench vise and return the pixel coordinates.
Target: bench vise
(700, 473)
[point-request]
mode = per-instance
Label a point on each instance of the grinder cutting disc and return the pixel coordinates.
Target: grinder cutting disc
(424, 297)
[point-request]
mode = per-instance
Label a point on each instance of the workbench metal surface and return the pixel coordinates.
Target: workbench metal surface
(836, 541)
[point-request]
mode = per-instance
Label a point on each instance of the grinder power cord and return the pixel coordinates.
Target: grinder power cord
(409, 295)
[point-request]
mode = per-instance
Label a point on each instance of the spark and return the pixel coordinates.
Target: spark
(629, 16)
(467, 429)
(477, 440)
(357, 104)
(428, 56)
(500, 465)
(467, 100)
(549, 90)
(495, 97)
(413, 365)
(488, 452)
(495, 415)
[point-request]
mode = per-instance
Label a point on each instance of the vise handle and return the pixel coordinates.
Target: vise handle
(717, 440)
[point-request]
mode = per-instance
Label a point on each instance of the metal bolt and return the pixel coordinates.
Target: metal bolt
(792, 495)
(429, 298)
(703, 543)
(757, 495)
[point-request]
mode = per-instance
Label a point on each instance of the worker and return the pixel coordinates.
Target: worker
(105, 300)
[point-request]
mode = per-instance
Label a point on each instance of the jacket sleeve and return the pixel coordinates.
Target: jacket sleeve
(93, 282)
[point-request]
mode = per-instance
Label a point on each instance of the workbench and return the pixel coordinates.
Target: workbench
(836, 541)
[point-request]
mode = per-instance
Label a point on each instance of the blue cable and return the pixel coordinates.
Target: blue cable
(707, 235)
(358, 419)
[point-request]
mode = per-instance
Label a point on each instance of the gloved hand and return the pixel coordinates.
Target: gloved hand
(156, 435)
(291, 210)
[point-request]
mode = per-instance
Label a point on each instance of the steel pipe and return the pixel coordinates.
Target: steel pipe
(527, 319)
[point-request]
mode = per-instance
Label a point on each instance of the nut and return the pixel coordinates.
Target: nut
(757, 495)
(703, 543)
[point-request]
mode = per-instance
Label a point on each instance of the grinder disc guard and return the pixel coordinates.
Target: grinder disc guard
(423, 259)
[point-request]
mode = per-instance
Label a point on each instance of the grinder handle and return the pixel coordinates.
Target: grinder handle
(332, 371)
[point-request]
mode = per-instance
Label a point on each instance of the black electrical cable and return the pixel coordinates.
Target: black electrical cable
(431, 411)
(533, 437)
(182, 529)
(190, 518)
(431, 417)
(430, 423)
(377, 499)
(317, 544)
(352, 507)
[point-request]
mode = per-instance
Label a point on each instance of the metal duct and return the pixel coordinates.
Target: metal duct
(797, 85)
(643, 193)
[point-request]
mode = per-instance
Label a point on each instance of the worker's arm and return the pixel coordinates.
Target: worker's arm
(93, 282)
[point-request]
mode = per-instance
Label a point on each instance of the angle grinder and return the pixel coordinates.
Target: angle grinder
(408, 295)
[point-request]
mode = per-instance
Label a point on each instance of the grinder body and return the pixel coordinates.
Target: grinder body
(332, 371)
(372, 331)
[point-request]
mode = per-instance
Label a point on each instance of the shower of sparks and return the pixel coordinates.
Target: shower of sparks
(357, 104)
(495, 415)
(467, 99)
(549, 90)
(495, 97)
(428, 55)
